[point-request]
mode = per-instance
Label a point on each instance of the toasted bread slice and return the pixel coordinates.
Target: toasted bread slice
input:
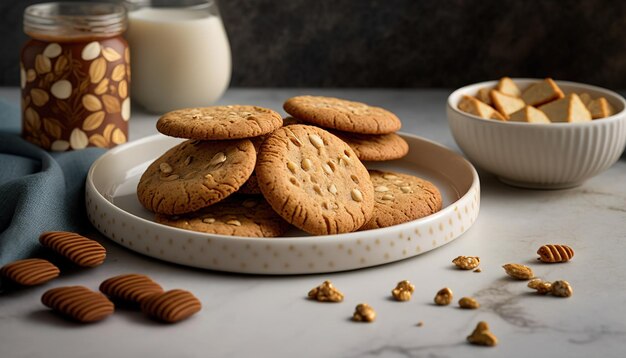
(473, 106)
(529, 114)
(506, 104)
(568, 109)
(586, 98)
(542, 93)
(508, 87)
(600, 108)
(483, 95)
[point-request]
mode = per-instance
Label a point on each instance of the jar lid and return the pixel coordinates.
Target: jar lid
(73, 20)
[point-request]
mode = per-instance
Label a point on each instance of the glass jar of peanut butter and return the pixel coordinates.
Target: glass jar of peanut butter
(75, 76)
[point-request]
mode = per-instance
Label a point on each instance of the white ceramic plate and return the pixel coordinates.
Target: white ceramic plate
(114, 210)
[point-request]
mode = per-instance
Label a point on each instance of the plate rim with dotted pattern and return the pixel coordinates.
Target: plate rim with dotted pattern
(284, 255)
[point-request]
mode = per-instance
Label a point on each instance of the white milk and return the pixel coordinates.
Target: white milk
(179, 58)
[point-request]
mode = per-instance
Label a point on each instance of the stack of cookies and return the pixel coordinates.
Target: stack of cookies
(244, 172)
(370, 132)
(190, 186)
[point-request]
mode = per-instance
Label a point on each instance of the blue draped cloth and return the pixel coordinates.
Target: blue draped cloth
(39, 190)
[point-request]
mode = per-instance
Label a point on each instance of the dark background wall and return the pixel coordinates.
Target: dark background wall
(403, 43)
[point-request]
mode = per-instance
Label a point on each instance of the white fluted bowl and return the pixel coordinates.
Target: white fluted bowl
(545, 156)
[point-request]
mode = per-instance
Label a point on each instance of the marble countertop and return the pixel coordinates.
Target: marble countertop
(248, 315)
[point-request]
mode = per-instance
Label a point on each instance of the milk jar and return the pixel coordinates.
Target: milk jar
(180, 53)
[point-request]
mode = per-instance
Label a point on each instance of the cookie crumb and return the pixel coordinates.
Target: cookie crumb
(555, 253)
(443, 297)
(561, 288)
(478, 270)
(403, 291)
(364, 313)
(519, 272)
(466, 262)
(542, 287)
(482, 336)
(420, 324)
(469, 303)
(326, 292)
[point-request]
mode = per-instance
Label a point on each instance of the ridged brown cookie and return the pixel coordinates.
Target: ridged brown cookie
(219, 122)
(30, 272)
(171, 306)
(80, 250)
(79, 303)
(343, 115)
(375, 147)
(130, 288)
(235, 216)
(314, 180)
(401, 198)
(195, 174)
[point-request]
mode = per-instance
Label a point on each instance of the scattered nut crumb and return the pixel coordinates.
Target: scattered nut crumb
(482, 336)
(443, 297)
(519, 272)
(364, 313)
(326, 292)
(542, 287)
(478, 270)
(403, 291)
(420, 324)
(467, 262)
(555, 253)
(561, 289)
(469, 303)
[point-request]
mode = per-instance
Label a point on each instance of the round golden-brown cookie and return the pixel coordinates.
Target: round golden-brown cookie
(251, 186)
(195, 174)
(375, 147)
(348, 116)
(219, 122)
(400, 198)
(235, 216)
(314, 180)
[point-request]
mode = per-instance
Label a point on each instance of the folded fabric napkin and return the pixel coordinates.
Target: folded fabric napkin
(39, 190)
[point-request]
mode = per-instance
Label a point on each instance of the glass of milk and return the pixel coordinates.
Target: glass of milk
(180, 55)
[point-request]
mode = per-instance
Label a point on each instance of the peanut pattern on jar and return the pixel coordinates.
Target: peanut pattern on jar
(69, 104)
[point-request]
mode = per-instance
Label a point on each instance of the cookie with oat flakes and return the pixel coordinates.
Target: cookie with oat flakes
(369, 147)
(236, 216)
(219, 122)
(195, 174)
(314, 180)
(343, 115)
(400, 198)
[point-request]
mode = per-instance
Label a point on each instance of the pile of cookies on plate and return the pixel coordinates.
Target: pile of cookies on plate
(541, 102)
(244, 171)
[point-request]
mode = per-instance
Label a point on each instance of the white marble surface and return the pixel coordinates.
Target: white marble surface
(246, 315)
